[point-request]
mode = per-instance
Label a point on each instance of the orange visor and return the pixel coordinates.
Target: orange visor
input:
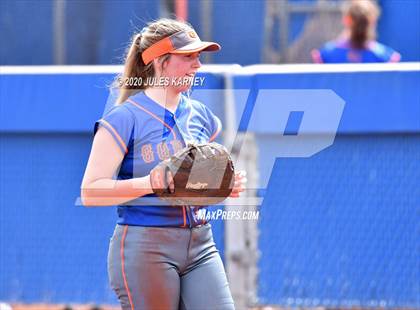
(181, 42)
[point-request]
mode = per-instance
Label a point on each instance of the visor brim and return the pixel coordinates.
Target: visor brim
(201, 46)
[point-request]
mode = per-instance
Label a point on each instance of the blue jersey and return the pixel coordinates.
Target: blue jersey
(342, 52)
(147, 133)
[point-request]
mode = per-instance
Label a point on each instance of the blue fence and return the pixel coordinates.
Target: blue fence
(337, 229)
(103, 29)
(51, 249)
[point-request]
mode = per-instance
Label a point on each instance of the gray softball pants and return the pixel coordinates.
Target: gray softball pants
(167, 268)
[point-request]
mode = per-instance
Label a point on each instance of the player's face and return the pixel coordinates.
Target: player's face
(182, 66)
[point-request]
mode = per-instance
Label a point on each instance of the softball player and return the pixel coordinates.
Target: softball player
(357, 43)
(160, 257)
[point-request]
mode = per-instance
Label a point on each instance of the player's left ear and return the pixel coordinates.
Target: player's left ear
(164, 61)
(161, 63)
(157, 64)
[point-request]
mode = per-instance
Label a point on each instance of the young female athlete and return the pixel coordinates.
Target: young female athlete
(160, 257)
(357, 43)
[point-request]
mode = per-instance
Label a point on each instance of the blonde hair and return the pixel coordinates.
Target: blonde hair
(134, 68)
(363, 14)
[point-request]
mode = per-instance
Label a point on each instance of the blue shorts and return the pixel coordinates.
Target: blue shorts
(167, 268)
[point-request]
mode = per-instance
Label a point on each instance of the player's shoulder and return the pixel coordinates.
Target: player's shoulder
(194, 103)
(383, 52)
(379, 48)
(116, 118)
(123, 109)
(131, 105)
(331, 46)
(332, 51)
(191, 101)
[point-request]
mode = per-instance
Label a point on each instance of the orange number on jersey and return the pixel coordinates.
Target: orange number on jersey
(147, 153)
(163, 151)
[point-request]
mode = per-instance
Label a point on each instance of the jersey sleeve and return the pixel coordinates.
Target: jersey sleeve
(328, 53)
(385, 53)
(119, 122)
(391, 55)
(215, 125)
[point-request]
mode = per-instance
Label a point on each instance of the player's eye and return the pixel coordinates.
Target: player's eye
(192, 56)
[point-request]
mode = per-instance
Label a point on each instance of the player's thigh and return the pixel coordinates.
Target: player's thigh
(206, 287)
(141, 277)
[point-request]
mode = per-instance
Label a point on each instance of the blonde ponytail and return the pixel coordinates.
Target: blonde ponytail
(135, 71)
(363, 14)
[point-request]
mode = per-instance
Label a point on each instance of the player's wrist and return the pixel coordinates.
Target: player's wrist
(143, 184)
(149, 183)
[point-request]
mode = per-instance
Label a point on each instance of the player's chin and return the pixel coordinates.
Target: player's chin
(182, 89)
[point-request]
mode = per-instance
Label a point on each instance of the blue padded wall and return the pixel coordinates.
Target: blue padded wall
(340, 229)
(337, 229)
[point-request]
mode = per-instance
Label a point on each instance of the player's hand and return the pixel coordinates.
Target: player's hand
(240, 183)
(162, 179)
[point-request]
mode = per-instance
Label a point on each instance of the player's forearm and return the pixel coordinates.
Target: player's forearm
(109, 192)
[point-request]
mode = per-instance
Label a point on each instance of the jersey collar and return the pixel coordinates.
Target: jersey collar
(159, 110)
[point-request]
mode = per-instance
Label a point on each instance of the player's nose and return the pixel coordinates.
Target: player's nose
(197, 63)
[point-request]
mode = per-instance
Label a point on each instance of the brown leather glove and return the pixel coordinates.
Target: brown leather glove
(199, 174)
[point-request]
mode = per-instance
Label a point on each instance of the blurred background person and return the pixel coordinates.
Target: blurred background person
(357, 43)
